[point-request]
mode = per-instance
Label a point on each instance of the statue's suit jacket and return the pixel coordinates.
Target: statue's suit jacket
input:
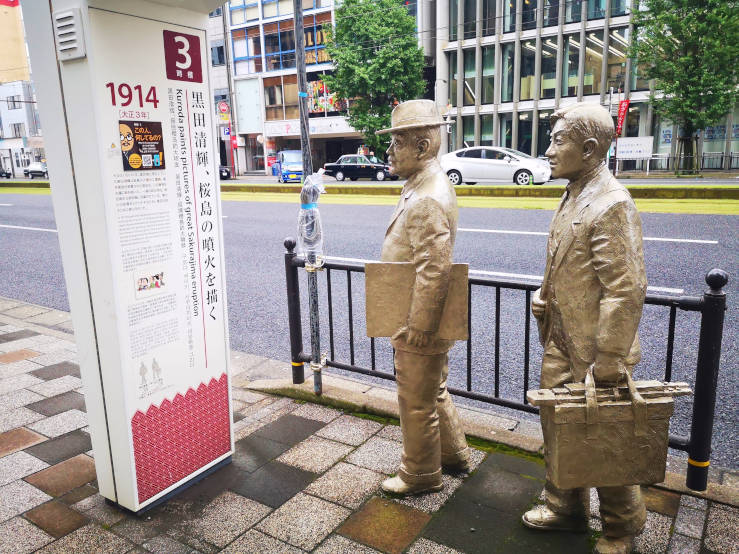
(422, 231)
(595, 281)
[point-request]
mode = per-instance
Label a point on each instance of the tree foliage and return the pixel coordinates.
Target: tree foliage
(691, 49)
(378, 62)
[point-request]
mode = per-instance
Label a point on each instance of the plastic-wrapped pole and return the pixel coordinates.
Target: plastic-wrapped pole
(310, 246)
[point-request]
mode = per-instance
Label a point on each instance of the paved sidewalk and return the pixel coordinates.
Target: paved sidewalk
(304, 477)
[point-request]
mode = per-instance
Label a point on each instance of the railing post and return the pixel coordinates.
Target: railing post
(709, 356)
(293, 312)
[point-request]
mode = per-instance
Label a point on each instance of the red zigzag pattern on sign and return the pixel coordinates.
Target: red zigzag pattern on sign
(175, 439)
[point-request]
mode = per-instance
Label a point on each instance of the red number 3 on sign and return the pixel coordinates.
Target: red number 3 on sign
(182, 57)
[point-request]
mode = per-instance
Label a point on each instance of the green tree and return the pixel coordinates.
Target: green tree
(691, 50)
(378, 62)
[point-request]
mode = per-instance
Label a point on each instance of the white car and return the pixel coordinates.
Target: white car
(494, 164)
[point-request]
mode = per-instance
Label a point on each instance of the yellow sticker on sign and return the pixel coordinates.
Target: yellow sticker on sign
(134, 160)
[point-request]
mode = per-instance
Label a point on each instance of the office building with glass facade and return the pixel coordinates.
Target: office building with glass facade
(503, 66)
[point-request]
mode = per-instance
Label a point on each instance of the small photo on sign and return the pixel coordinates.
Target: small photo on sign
(142, 147)
(147, 284)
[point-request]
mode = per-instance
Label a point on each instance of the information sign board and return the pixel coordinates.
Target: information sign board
(634, 148)
(155, 363)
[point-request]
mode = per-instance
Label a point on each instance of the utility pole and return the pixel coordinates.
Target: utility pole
(315, 337)
(233, 131)
(302, 88)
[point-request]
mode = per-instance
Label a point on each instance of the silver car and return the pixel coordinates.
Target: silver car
(493, 164)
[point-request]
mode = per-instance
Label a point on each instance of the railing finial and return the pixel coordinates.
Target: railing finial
(290, 244)
(717, 279)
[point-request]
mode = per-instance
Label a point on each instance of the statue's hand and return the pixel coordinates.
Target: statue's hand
(414, 337)
(538, 306)
(608, 369)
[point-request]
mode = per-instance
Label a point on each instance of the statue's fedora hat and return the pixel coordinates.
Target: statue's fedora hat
(414, 114)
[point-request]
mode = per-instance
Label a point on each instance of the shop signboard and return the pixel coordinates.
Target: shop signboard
(152, 212)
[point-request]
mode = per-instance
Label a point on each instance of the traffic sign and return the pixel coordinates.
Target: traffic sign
(223, 107)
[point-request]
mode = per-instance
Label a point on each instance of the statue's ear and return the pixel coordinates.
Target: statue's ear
(589, 149)
(422, 147)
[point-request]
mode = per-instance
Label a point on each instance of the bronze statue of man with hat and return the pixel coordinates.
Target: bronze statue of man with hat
(422, 231)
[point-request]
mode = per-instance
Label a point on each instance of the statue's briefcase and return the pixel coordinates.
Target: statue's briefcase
(607, 436)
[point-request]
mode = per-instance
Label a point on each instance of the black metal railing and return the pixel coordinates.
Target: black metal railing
(711, 307)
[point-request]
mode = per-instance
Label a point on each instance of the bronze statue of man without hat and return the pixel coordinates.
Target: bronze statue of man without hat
(589, 306)
(422, 231)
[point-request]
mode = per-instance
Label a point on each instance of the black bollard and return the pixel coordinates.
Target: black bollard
(709, 357)
(293, 312)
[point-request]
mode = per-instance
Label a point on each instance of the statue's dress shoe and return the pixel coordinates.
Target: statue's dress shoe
(615, 545)
(541, 517)
(395, 485)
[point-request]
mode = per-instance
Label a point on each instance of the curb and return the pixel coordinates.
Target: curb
(657, 192)
(663, 192)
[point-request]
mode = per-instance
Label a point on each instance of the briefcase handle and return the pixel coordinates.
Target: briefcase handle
(638, 404)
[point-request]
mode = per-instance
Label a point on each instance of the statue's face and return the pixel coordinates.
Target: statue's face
(403, 155)
(566, 156)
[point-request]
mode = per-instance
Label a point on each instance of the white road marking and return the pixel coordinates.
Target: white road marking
(525, 276)
(542, 234)
(6, 205)
(28, 228)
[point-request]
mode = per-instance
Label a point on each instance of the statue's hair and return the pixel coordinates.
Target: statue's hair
(586, 121)
(432, 134)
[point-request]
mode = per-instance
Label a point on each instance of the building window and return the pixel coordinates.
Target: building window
(488, 75)
(570, 64)
(506, 130)
(470, 18)
(544, 131)
(593, 62)
(273, 99)
(217, 52)
(216, 12)
(506, 91)
(618, 46)
(243, 12)
(17, 130)
(596, 9)
(274, 8)
(14, 102)
(453, 4)
(468, 130)
(528, 61)
(548, 67)
(247, 51)
(488, 17)
(528, 14)
(290, 90)
(638, 70)
(279, 42)
(509, 15)
(619, 7)
(551, 13)
(525, 120)
(469, 77)
(486, 130)
(573, 11)
(453, 78)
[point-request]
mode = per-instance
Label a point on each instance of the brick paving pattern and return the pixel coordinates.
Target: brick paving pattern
(303, 478)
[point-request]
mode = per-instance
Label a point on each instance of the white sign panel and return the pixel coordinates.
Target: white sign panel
(162, 208)
(634, 148)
